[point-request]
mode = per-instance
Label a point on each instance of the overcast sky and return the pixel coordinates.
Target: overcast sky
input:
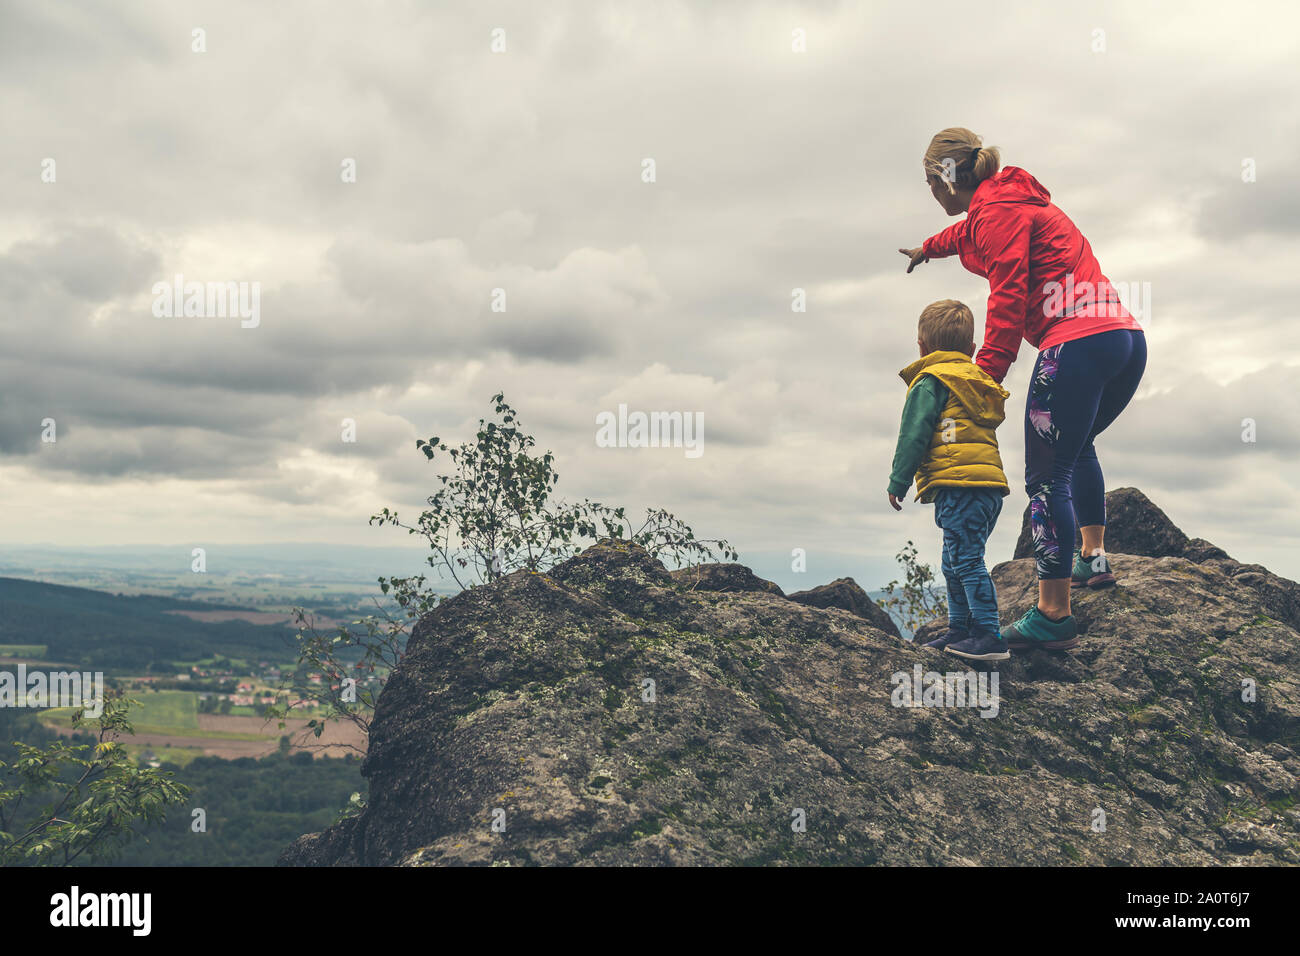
(522, 170)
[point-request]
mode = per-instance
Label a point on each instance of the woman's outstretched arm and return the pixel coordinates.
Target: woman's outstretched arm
(946, 243)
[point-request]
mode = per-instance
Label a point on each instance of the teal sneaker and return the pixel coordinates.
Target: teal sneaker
(1091, 572)
(1035, 630)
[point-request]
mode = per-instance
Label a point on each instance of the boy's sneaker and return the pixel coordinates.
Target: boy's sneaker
(1035, 629)
(1091, 572)
(981, 646)
(951, 636)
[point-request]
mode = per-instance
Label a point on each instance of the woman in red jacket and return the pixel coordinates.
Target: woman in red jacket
(1046, 288)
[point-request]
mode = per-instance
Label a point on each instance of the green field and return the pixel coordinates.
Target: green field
(32, 651)
(158, 712)
(173, 712)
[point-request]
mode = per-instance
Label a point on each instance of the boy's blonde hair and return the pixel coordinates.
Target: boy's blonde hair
(957, 157)
(946, 326)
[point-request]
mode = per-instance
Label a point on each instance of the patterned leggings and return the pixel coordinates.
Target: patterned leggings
(1078, 389)
(967, 517)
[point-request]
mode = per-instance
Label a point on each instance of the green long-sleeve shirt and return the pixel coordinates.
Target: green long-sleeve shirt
(925, 402)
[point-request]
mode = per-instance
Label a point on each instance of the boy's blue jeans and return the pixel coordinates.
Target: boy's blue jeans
(967, 517)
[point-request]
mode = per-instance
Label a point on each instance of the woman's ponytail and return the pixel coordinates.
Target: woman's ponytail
(957, 157)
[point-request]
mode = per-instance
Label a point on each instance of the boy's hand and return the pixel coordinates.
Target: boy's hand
(916, 255)
(898, 505)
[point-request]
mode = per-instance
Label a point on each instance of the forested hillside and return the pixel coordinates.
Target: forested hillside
(251, 808)
(106, 631)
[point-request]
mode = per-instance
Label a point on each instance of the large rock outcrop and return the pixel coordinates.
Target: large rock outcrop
(522, 728)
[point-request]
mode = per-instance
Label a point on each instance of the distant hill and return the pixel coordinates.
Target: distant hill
(92, 628)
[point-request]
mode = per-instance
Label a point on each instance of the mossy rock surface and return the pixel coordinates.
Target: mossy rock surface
(610, 713)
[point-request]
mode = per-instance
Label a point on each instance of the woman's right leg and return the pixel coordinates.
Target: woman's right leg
(1089, 486)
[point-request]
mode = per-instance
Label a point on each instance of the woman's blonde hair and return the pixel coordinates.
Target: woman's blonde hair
(957, 157)
(946, 326)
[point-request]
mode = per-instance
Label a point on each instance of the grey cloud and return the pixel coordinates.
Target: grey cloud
(93, 263)
(36, 36)
(521, 171)
(1269, 206)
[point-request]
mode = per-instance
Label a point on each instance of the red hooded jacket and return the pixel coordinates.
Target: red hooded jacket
(1045, 285)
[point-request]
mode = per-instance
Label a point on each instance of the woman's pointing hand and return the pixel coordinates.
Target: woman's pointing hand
(916, 255)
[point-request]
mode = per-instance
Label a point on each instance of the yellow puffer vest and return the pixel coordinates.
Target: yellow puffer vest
(964, 449)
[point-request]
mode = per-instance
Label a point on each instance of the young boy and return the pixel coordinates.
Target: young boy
(947, 441)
